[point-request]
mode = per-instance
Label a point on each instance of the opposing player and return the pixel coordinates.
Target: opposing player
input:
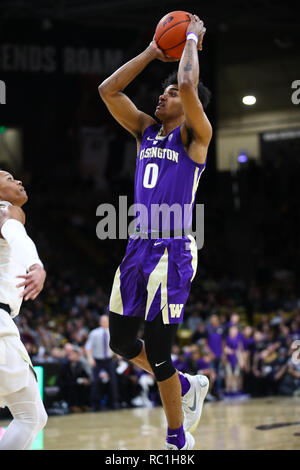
(18, 259)
(154, 279)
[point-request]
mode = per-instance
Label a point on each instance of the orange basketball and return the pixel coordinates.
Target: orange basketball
(170, 33)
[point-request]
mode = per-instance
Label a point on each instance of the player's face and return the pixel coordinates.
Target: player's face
(169, 104)
(11, 190)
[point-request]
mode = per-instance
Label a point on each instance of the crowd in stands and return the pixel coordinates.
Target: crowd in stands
(242, 356)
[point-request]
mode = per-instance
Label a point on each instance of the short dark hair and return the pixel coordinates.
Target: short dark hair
(203, 92)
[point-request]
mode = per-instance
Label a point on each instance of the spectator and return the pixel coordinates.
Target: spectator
(146, 383)
(234, 321)
(74, 383)
(233, 360)
(180, 363)
(205, 368)
(128, 382)
(294, 333)
(264, 367)
(103, 366)
(193, 320)
(202, 365)
(247, 353)
(199, 336)
(290, 378)
(215, 338)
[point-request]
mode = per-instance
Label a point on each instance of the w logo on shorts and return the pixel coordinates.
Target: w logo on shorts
(175, 310)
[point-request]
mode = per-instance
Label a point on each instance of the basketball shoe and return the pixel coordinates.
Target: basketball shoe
(192, 401)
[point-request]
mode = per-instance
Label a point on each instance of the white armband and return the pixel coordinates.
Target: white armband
(192, 36)
(23, 248)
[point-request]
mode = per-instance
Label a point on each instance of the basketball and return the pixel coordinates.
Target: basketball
(170, 33)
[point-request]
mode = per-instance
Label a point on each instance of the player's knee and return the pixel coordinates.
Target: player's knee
(32, 415)
(116, 347)
(162, 370)
(116, 342)
(125, 348)
(40, 419)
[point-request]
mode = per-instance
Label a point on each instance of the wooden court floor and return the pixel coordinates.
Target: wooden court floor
(223, 426)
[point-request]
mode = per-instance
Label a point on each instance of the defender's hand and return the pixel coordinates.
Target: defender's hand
(33, 282)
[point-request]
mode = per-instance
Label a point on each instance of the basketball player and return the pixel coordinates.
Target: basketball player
(19, 390)
(154, 279)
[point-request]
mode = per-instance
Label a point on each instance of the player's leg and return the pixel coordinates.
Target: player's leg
(174, 274)
(95, 391)
(123, 331)
(110, 367)
(124, 341)
(29, 417)
(159, 338)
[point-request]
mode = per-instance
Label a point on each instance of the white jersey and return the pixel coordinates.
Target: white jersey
(14, 359)
(10, 268)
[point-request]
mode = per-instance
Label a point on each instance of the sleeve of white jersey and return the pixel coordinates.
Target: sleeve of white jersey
(22, 247)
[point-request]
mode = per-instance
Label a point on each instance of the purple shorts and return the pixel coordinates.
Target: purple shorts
(155, 275)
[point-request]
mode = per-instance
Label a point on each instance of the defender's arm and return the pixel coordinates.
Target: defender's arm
(23, 249)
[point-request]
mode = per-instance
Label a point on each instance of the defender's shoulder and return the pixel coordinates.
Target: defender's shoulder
(8, 211)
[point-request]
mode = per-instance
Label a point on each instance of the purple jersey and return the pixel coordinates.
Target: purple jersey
(156, 273)
(215, 339)
(248, 343)
(165, 174)
(233, 343)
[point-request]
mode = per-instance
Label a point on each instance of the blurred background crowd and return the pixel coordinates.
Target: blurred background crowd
(242, 337)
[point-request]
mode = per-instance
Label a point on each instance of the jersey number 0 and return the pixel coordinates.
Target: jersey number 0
(150, 177)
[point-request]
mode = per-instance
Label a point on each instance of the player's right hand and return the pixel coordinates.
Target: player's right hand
(159, 54)
(197, 27)
(33, 282)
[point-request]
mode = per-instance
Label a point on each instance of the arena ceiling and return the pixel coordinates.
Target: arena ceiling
(258, 15)
(255, 43)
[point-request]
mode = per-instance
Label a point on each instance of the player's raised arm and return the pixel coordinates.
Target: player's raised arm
(119, 105)
(188, 78)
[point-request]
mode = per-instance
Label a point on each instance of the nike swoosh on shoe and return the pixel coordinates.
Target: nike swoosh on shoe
(193, 408)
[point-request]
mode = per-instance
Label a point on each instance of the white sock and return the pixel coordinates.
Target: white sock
(29, 417)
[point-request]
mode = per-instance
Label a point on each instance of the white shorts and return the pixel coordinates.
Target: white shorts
(14, 359)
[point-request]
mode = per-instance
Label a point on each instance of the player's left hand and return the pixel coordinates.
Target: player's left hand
(159, 54)
(33, 282)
